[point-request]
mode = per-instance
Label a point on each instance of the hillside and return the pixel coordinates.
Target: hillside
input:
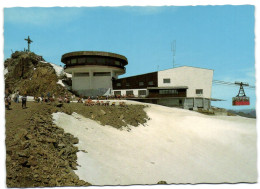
(30, 74)
(175, 145)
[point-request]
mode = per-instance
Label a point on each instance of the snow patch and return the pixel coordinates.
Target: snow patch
(5, 71)
(177, 146)
(60, 82)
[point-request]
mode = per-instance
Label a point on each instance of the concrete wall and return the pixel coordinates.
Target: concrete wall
(194, 78)
(92, 85)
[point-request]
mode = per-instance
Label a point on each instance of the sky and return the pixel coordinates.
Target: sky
(213, 37)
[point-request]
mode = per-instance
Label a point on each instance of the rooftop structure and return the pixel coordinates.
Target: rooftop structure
(93, 71)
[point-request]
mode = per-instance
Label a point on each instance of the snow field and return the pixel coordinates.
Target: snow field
(176, 145)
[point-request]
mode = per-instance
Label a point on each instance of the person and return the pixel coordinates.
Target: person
(24, 99)
(17, 96)
(48, 97)
(7, 104)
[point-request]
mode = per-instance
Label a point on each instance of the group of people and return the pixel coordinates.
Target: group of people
(16, 96)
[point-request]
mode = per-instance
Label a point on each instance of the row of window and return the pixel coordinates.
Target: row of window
(131, 92)
(86, 74)
(141, 83)
(170, 91)
(92, 60)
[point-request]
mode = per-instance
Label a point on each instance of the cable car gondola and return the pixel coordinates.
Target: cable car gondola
(241, 99)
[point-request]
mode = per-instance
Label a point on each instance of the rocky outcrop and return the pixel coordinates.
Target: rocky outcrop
(28, 74)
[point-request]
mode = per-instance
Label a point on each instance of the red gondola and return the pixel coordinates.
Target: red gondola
(241, 99)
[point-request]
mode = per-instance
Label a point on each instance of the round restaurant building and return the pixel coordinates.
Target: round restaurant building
(93, 71)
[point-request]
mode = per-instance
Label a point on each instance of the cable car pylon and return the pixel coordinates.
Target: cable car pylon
(241, 99)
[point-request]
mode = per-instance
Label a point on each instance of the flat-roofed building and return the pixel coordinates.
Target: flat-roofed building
(93, 71)
(187, 87)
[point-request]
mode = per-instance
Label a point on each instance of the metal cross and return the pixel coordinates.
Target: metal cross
(28, 41)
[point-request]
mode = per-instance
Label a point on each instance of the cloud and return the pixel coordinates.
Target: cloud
(39, 15)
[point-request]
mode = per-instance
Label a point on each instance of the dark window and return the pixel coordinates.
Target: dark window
(117, 63)
(68, 61)
(170, 91)
(166, 80)
(150, 83)
(81, 60)
(129, 92)
(102, 74)
(117, 92)
(199, 91)
(73, 61)
(118, 84)
(141, 83)
(91, 60)
(127, 84)
(141, 92)
(82, 74)
(101, 60)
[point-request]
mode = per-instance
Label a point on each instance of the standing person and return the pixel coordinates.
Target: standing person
(48, 96)
(24, 99)
(17, 96)
(7, 104)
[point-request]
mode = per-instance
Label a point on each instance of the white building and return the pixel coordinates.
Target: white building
(93, 71)
(186, 86)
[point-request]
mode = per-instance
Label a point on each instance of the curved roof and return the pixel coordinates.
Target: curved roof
(94, 53)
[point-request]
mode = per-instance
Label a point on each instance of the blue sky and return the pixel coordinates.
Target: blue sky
(215, 37)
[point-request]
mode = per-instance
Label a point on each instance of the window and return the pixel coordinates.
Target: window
(141, 92)
(81, 74)
(127, 84)
(117, 63)
(68, 61)
(73, 61)
(199, 91)
(101, 60)
(81, 60)
(129, 92)
(166, 80)
(141, 83)
(170, 91)
(150, 83)
(117, 92)
(91, 60)
(102, 73)
(118, 84)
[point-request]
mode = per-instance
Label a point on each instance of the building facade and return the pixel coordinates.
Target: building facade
(93, 71)
(186, 87)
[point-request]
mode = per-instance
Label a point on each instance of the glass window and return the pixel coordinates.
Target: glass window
(129, 92)
(81, 60)
(91, 60)
(199, 91)
(101, 60)
(117, 63)
(81, 74)
(102, 74)
(73, 61)
(118, 84)
(170, 91)
(150, 83)
(117, 92)
(167, 80)
(141, 92)
(127, 84)
(141, 83)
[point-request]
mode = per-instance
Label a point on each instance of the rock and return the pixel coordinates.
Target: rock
(121, 117)
(162, 182)
(102, 112)
(75, 140)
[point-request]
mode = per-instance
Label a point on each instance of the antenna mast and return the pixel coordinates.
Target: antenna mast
(173, 52)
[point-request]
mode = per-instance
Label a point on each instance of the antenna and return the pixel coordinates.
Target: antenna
(173, 49)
